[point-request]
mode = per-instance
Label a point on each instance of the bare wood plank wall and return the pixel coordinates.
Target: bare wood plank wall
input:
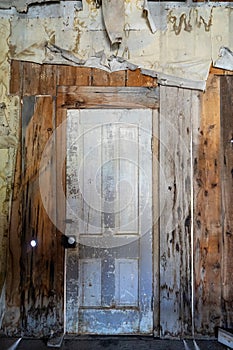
(226, 88)
(176, 112)
(207, 211)
(38, 274)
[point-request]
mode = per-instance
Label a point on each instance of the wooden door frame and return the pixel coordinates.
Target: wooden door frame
(89, 97)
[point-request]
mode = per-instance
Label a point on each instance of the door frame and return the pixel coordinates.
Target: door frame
(88, 97)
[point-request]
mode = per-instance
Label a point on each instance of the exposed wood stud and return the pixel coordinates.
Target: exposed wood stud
(207, 212)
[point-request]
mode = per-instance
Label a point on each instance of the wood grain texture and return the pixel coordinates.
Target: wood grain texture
(39, 79)
(16, 77)
(175, 211)
(11, 321)
(61, 139)
(102, 78)
(135, 78)
(226, 88)
(38, 129)
(69, 75)
(207, 212)
(41, 273)
(38, 273)
(100, 97)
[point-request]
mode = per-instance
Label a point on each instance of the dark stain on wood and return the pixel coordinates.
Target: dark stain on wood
(207, 214)
(226, 88)
(35, 276)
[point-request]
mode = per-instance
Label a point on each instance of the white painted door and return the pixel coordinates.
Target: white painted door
(109, 211)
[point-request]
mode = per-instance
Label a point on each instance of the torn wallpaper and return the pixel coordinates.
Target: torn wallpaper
(175, 44)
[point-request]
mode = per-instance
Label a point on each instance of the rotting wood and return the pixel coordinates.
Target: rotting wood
(207, 270)
(175, 211)
(226, 88)
(207, 212)
(41, 275)
(98, 97)
(11, 320)
(42, 295)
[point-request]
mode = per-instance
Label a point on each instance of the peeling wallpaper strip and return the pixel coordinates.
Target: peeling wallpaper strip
(225, 60)
(180, 55)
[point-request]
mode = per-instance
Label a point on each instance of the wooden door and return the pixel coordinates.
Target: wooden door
(109, 284)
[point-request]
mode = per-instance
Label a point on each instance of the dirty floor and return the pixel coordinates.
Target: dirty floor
(110, 343)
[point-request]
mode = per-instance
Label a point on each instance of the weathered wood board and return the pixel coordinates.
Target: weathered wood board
(176, 112)
(113, 97)
(194, 148)
(226, 102)
(207, 211)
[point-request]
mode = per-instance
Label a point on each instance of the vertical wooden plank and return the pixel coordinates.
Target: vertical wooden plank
(61, 139)
(41, 277)
(207, 212)
(16, 75)
(11, 321)
(37, 132)
(117, 78)
(226, 88)
(100, 77)
(135, 78)
(155, 220)
(39, 79)
(48, 80)
(68, 75)
(175, 212)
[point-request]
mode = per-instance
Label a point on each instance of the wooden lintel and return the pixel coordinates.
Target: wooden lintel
(113, 97)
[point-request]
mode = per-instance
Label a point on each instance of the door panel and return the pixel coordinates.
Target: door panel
(109, 211)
